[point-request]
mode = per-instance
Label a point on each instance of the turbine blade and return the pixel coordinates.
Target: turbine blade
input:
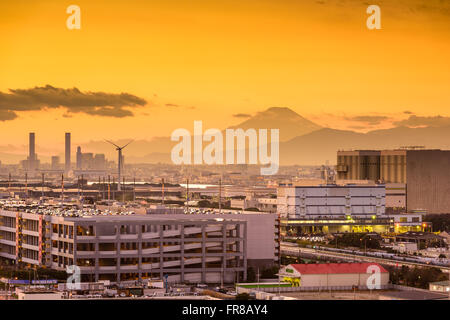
(127, 144)
(112, 143)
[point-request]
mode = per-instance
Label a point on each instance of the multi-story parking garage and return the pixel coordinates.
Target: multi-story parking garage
(122, 248)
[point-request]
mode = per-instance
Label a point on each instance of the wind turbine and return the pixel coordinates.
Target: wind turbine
(120, 159)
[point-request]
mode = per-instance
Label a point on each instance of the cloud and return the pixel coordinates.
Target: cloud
(358, 127)
(372, 120)
(407, 112)
(173, 105)
(241, 115)
(75, 101)
(418, 121)
(6, 115)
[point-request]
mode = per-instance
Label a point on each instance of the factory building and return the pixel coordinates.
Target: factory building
(358, 165)
(425, 173)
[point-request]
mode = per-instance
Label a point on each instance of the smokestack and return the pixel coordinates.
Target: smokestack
(32, 146)
(162, 190)
(67, 158)
(62, 187)
(32, 152)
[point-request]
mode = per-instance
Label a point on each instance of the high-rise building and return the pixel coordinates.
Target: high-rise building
(67, 153)
(31, 163)
(55, 163)
(79, 159)
(99, 161)
(87, 160)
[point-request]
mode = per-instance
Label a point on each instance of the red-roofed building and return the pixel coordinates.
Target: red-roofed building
(336, 275)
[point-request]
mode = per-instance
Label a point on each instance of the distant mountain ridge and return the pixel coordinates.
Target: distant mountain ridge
(301, 141)
(290, 123)
(319, 146)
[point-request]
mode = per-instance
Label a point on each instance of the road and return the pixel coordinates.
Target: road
(297, 251)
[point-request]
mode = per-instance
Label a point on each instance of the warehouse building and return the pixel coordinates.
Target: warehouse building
(340, 209)
(331, 200)
(335, 276)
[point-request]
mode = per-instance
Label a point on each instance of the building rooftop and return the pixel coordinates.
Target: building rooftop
(413, 295)
(441, 283)
(335, 268)
(58, 209)
(419, 235)
(347, 185)
(149, 217)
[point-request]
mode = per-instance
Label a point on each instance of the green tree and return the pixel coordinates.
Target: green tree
(204, 204)
(243, 296)
(269, 273)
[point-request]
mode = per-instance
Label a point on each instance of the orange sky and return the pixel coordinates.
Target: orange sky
(217, 58)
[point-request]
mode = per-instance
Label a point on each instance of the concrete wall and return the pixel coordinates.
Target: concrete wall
(334, 280)
(261, 234)
(331, 200)
(39, 296)
(428, 181)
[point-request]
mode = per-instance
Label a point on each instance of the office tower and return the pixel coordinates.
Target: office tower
(87, 161)
(67, 159)
(99, 161)
(79, 158)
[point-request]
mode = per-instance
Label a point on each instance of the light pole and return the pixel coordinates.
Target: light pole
(258, 280)
(279, 283)
(365, 244)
